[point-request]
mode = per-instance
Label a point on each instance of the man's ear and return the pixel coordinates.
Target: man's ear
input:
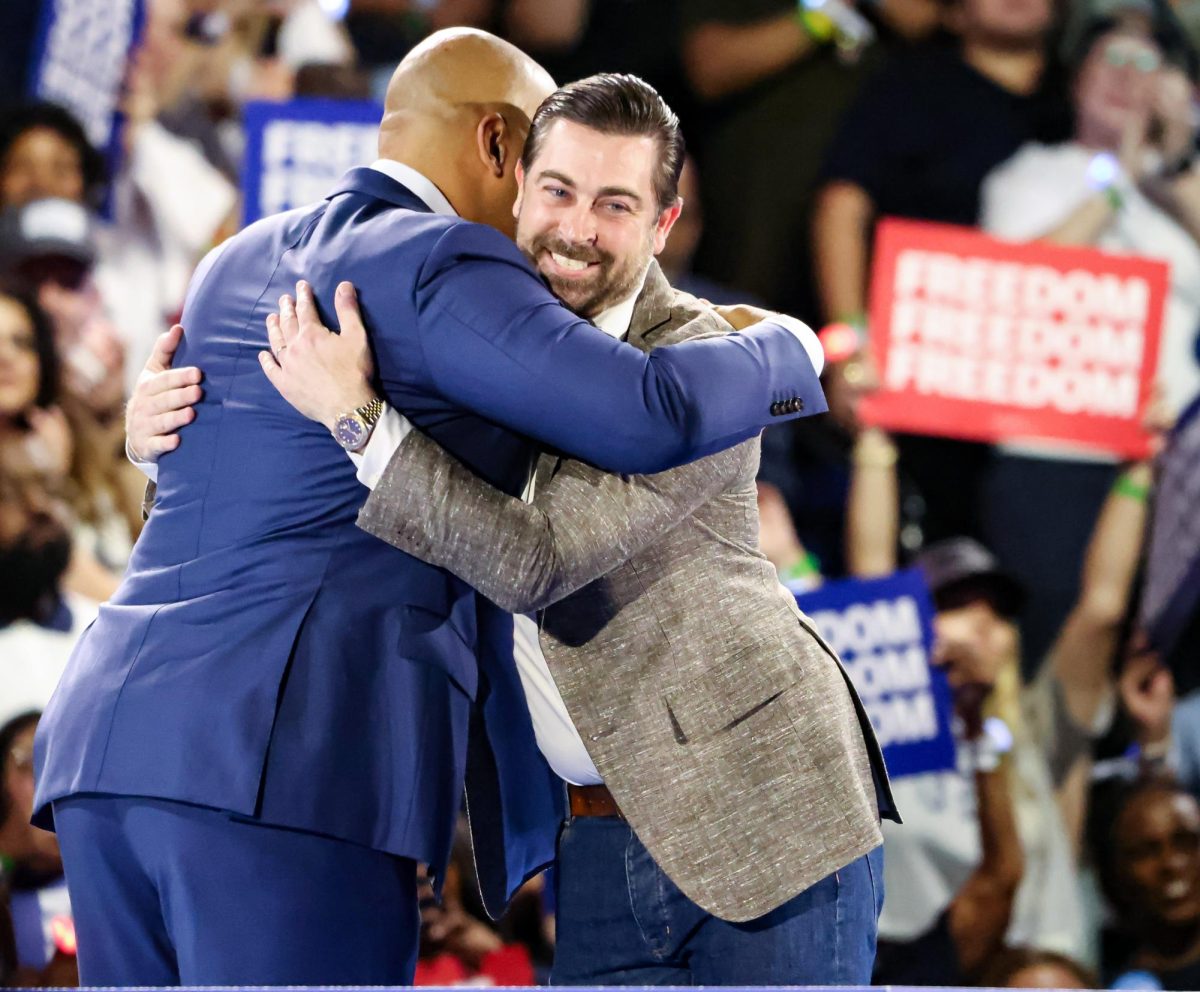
(666, 221)
(491, 141)
(520, 177)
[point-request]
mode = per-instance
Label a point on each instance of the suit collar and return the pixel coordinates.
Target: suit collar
(372, 182)
(653, 308)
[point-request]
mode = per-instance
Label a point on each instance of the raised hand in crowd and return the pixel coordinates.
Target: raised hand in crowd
(973, 649)
(1147, 692)
(50, 443)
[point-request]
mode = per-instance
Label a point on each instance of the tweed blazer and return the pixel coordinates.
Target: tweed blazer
(724, 726)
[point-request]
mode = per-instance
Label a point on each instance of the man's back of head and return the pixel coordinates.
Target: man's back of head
(457, 110)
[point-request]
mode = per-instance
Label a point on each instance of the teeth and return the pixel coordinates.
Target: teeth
(568, 263)
(1176, 889)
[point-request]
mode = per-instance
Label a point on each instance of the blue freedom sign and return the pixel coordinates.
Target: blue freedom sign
(81, 57)
(882, 629)
(296, 151)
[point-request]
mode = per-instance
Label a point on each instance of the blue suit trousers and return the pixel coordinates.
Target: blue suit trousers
(166, 893)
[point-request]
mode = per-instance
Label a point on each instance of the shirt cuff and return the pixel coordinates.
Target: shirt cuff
(148, 469)
(806, 336)
(390, 430)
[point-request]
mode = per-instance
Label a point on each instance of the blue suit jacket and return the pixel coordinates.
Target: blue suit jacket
(265, 656)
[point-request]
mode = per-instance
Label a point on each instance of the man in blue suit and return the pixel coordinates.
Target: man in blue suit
(267, 727)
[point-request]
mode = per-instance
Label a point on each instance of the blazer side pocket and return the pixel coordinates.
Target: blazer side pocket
(726, 694)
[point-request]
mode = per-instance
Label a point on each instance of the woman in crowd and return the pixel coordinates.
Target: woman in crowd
(1128, 182)
(1149, 854)
(49, 443)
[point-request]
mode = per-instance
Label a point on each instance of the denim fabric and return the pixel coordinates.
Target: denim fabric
(621, 921)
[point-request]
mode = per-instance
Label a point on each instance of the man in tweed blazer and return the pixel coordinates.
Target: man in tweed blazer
(725, 784)
(736, 777)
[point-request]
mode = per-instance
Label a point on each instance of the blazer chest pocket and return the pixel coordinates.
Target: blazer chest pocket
(728, 693)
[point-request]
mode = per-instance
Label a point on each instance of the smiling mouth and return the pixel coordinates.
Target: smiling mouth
(1177, 889)
(570, 266)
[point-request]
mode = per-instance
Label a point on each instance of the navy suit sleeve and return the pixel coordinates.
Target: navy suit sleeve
(495, 341)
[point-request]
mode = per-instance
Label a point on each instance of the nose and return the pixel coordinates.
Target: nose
(577, 224)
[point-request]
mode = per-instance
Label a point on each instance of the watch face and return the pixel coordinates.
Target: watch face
(350, 432)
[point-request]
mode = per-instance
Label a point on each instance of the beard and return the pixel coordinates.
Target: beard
(610, 280)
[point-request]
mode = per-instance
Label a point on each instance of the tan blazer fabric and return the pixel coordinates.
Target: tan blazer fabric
(725, 728)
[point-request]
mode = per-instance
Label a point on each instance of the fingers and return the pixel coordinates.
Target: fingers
(271, 368)
(170, 422)
(306, 310)
(182, 398)
(275, 332)
(154, 446)
(345, 302)
(165, 382)
(289, 326)
(165, 346)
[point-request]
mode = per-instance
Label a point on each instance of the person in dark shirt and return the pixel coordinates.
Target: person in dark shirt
(918, 143)
(772, 92)
(1148, 836)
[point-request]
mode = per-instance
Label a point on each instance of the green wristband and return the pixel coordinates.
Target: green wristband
(1125, 486)
(1114, 198)
(804, 568)
(819, 27)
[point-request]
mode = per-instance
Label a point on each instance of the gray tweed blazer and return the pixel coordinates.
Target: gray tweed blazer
(723, 725)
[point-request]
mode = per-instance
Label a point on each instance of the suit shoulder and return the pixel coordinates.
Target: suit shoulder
(463, 239)
(691, 318)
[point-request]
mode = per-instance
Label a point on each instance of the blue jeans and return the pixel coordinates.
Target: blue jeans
(621, 921)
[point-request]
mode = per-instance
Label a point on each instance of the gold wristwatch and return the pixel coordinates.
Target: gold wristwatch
(352, 430)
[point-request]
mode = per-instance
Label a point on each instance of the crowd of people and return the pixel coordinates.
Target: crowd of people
(1064, 851)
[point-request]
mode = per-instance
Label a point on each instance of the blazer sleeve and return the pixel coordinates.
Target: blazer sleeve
(524, 556)
(496, 342)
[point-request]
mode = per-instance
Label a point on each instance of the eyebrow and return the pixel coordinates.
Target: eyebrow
(604, 191)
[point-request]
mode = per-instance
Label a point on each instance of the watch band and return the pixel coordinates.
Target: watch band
(371, 412)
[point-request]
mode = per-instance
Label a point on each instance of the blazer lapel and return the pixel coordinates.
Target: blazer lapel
(652, 311)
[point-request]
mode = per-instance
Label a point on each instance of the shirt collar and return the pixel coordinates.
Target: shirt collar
(417, 184)
(616, 319)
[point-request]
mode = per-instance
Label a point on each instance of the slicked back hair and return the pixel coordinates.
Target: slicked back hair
(619, 104)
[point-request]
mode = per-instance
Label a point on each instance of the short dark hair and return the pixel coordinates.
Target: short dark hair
(17, 119)
(616, 103)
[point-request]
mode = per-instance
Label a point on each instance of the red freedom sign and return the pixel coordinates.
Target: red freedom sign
(985, 340)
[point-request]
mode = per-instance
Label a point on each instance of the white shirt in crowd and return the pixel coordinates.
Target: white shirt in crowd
(930, 856)
(32, 658)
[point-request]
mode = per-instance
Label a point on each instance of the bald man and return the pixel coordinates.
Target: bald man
(267, 727)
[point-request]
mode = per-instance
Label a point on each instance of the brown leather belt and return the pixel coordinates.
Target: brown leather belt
(593, 800)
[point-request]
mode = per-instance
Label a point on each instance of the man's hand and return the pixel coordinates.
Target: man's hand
(161, 402)
(322, 374)
(742, 315)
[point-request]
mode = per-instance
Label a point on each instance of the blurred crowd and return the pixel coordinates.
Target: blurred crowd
(1064, 851)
